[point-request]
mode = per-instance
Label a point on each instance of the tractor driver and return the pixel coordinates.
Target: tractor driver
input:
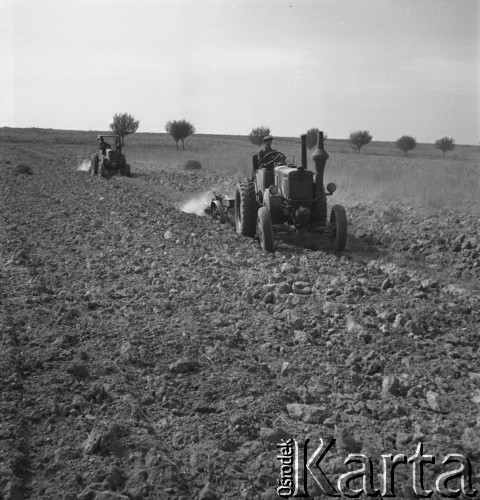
(267, 156)
(103, 146)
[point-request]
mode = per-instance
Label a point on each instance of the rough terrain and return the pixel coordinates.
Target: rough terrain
(150, 353)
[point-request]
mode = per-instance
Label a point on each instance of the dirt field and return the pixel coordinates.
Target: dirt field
(151, 353)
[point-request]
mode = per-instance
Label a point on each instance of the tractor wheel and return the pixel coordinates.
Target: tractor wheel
(128, 171)
(218, 213)
(122, 165)
(94, 165)
(245, 208)
(338, 228)
(274, 206)
(101, 169)
(265, 230)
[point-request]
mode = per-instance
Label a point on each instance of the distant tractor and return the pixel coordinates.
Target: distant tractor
(289, 194)
(111, 159)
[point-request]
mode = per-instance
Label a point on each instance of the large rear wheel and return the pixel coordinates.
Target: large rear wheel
(265, 230)
(94, 165)
(245, 208)
(338, 228)
(122, 165)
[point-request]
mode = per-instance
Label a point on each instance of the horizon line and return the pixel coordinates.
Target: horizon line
(211, 134)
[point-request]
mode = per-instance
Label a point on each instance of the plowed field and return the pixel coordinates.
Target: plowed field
(151, 353)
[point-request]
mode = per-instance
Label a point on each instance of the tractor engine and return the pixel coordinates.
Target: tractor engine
(294, 183)
(295, 186)
(301, 216)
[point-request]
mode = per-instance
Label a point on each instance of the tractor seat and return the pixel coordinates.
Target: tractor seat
(255, 162)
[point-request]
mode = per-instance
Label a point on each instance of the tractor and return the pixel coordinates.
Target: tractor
(110, 158)
(289, 194)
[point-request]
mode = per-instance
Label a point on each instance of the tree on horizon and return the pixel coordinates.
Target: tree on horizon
(359, 139)
(257, 134)
(180, 130)
(124, 124)
(312, 134)
(406, 143)
(445, 144)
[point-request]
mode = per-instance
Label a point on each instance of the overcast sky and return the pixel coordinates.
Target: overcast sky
(392, 67)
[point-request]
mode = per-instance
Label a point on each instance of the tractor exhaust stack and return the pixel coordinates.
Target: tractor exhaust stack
(304, 150)
(320, 157)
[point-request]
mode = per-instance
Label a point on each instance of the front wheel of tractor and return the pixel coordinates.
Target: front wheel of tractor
(265, 230)
(94, 165)
(338, 228)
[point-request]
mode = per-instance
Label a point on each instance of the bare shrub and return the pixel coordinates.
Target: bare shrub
(22, 169)
(192, 165)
